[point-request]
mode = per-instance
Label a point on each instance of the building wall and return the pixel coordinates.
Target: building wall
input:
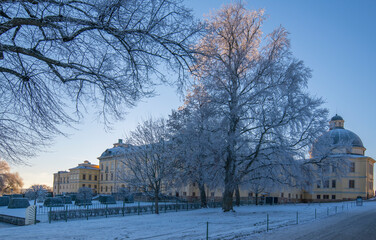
(84, 175)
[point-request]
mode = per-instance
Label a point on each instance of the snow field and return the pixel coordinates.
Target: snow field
(245, 222)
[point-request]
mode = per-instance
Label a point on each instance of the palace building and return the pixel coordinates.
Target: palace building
(344, 146)
(358, 181)
(84, 175)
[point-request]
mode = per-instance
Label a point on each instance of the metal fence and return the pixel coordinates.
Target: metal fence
(70, 211)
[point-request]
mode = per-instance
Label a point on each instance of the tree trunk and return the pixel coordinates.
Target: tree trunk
(156, 202)
(237, 196)
(256, 198)
(204, 203)
(229, 184)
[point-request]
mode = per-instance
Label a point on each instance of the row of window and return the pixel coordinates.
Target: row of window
(90, 178)
(106, 177)
(334, 184)
(326, 184)
(73, 186)
(325, 196)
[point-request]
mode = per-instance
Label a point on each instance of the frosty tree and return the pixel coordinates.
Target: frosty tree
(37, 191)
(259, 88)
(197, 141)
(58, 56)
(148, 165)
(84, 196)
(9, 182)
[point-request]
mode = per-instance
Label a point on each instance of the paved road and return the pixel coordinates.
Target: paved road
(345, 226)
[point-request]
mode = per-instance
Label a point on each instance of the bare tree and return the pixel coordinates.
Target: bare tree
(59, 55)
(9, 182)
(148, 165)
(37, 191)
(259, 87)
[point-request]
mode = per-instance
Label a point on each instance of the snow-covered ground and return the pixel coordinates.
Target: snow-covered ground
(245, 222)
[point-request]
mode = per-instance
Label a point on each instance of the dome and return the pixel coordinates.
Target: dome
(337, 139)
(336, 117)
(344, 136)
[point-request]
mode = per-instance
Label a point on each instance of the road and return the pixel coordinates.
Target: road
(358, 225)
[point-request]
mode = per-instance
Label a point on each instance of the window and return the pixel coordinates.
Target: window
(194, 184)
(351, 183)
(334, 184)
(102, 177)
(95, 186)
(318, 196)
(250, 194)
(95, 178)
(193, 194)
(112, 176)
(318, 184)
(111, 188)
(89, 177)
(83, 185)
(184, 193)
(106, 176)
(282, 194)
(289, 195)
(101, 166)
(333, 197)
(106, 189)
(89, 185)
(212, 194)
(326, 184)
(325, 196)
(352, 167)
(334, 169)
(371, 186)
(83, 176)
(106, 167)
(101, 188)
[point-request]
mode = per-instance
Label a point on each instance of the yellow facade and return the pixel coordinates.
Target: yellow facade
(84, 175)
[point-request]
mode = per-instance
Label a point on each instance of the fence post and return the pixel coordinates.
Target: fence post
(66, 213)
(138, 208)
(267, 222)
(106, 209)
(297, 217)
(49, 215)
(315, 213)
(87, 211)
(176, 205)
(123, 208)
(165, 206)
(207, 230)
(35, 214)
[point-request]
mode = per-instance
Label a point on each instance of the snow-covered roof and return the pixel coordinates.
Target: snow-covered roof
(85, 167)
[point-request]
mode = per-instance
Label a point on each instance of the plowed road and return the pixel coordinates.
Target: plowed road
(357, 225)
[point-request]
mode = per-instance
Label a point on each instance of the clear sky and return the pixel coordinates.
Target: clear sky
(336, 39)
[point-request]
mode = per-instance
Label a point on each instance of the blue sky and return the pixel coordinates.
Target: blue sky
(336, 39)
